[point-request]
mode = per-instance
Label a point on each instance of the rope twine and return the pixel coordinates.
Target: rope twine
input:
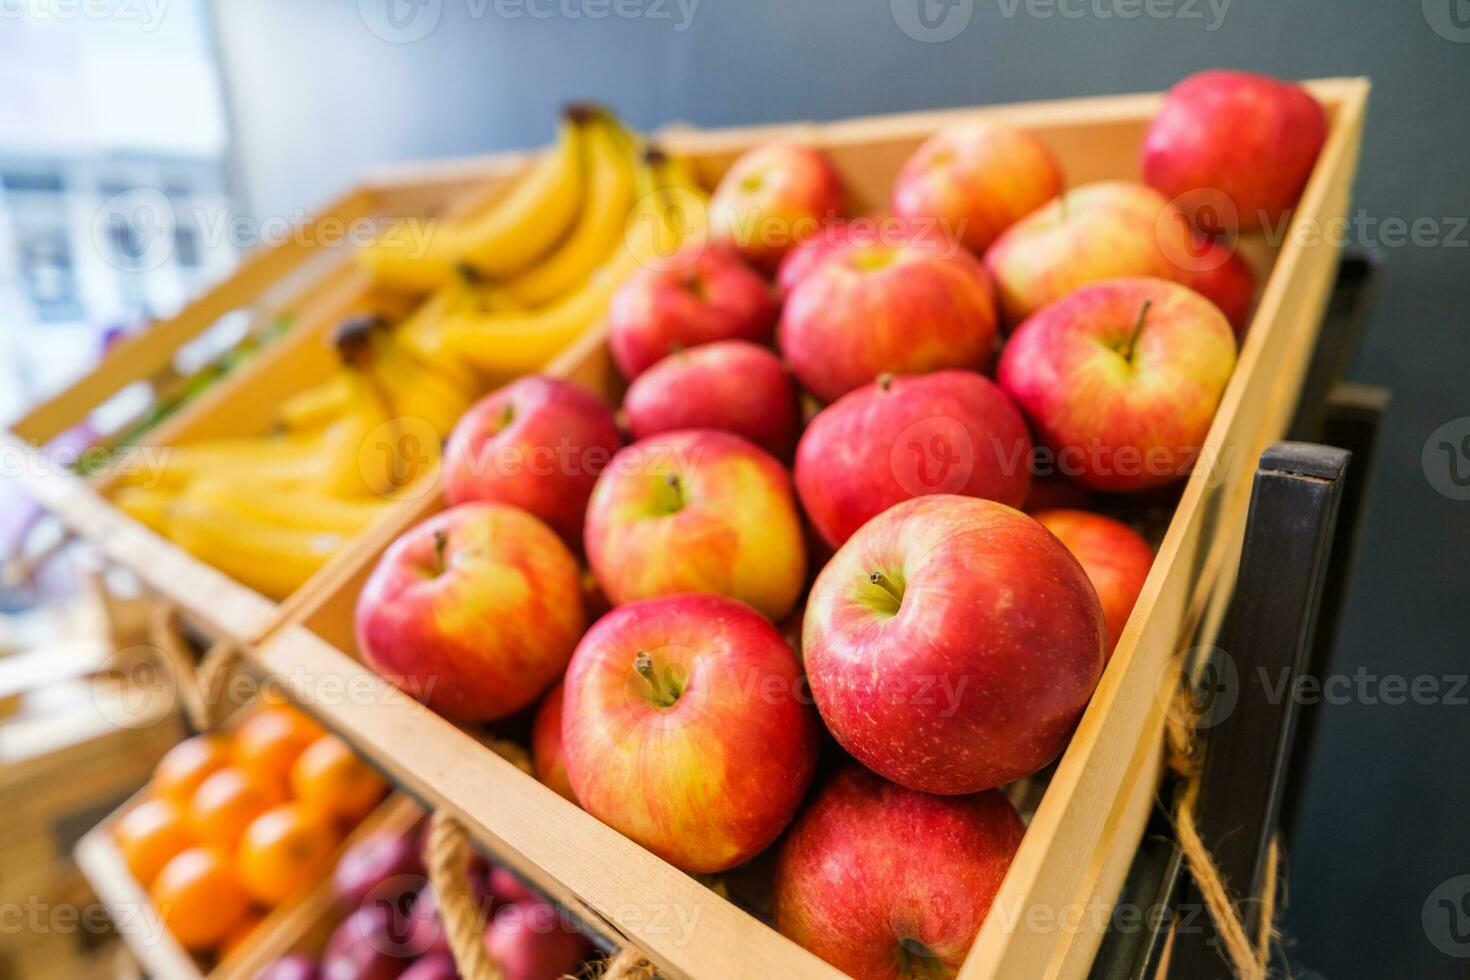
(1186, 757)
(199, 686)
(448, 859)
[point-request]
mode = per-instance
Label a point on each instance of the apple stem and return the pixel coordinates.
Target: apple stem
(643, 663)
(885, 381)
(886, 584)
(1137, 329)
(441, 541)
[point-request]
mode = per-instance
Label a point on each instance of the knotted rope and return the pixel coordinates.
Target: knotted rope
(1186, 758)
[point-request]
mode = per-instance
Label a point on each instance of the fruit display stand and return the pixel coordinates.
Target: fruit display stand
(1088, 821)
(300, 923)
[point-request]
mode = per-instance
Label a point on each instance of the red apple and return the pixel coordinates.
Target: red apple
(367, 945)
(952, 643)
(1220, 275)
(1251, 138)
(773, 197)
(1115, 557)
(659, 311)
(538, 444)
(546, 748)
(809, 253)
(506, 888)
(382, 866)
(687, 729)
(1049, 489)
(731, 385)
(947, 432)
(531, 942)
(436, 966)
(474, 612)
(977, 178)
(1120, 380)
(883, 882)
(1098, 231)
(697, 511)
(920, 305)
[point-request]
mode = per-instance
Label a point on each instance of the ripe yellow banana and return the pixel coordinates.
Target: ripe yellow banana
(315, 407)
(418, 255)
(306, 509)
(280, 459)
(538, 210)
(371, 452)
(669, 212)
(273, 560)
(413, 390)
(147, 507)
(611, 192)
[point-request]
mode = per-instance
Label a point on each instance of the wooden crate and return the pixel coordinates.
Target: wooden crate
(301, 923)
(1085, 828)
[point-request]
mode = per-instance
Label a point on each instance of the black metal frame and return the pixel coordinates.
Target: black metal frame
(1300, 541)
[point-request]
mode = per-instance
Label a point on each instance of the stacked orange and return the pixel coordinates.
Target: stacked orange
(238, 822)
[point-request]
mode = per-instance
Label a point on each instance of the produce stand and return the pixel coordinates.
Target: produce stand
(1093, 811)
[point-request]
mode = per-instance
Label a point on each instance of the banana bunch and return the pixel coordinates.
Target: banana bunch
(270, 510)
(510, 235)
(669, 209)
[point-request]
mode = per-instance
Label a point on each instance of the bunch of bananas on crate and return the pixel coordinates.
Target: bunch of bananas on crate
(501, 291)
(513, 285)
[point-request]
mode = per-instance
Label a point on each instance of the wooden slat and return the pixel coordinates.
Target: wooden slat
(144, 354)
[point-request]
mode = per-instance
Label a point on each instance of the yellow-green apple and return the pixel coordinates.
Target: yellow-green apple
(658, 311)
(952, 643)
(918, 305)
(772, 197)
(946, 432)
(1097, 231)
(547, 755)
(1219, 274)
(885, 883)
(1115, 557)
(538, 444)
(977, 178)
(687, 728)
(697, 511)
(474, 612)
(532, 941)
(1120, 380)
(732, 385)
(1249, 137)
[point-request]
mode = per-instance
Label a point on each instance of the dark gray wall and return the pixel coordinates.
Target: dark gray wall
(319, 97)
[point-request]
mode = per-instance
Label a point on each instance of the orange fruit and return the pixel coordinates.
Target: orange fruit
(186, 765)
(284, 850)
(330, 777)
(225, 804)
(199, 898)
(150, 835)
(240, 934)
(268, 742)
